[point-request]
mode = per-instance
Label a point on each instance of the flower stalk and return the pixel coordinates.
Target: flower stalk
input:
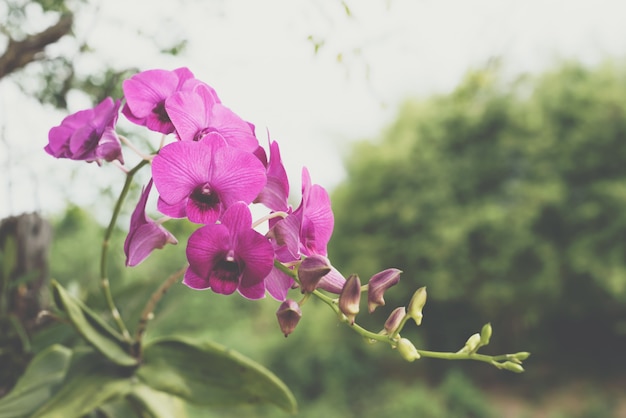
(147, 314)
(104, 280)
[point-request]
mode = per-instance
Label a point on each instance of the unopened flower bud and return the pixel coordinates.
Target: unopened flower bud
(485, 334)
(288, 315)
(471, 345)
(350, 297)
(521, 356)
(311, 271)
(395, 318)
(512, 367)
(377, 286)
(407, 350)
(417, 304)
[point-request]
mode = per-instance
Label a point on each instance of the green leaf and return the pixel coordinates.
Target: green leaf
(91, 381)
(92, 328)
(155, 404)
(38, 382)
(209, 374)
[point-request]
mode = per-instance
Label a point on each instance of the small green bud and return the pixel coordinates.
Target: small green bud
(407, 350)
(521, 356)
(471, 345)
(485, 334)
(417, 304)
(512, 367)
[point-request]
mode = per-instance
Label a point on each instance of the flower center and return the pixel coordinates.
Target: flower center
(227, 269)
(92, 142)
(202, 133)
(159, 111)
(205, 197)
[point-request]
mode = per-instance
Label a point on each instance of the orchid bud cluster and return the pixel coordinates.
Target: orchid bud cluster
(210, 169)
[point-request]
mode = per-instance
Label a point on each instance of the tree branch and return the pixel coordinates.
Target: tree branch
(21, 53)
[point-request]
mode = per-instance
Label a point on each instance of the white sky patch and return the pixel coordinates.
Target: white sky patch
(258, 57)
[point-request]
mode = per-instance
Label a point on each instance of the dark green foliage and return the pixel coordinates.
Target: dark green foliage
(506, 200)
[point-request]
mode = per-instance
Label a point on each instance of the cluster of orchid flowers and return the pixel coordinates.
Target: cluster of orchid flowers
(210, 172)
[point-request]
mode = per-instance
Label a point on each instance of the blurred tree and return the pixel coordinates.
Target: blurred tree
(28, 38)
(507, 201)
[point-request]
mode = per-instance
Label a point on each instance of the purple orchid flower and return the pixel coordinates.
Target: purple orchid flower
(229, 256)
(146, 93)
(316, 217)
(201, 180)
(276, 191)
(88, 135)
(144, 235)
(305, 232)
(197, 112)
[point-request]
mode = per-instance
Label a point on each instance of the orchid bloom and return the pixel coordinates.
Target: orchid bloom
(88, 135)
(276, 191)
(200, 180)
(146, 93)
(229, 256)
(196, 113)
(144, 235)
(305, 232)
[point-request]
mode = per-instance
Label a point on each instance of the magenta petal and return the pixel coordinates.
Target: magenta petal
(146, 94)
(144, 90)
(146, 239)
(276, 191)
(318, 221)
(235, 130)
(178, 168)
(188, 113)
(194, 281)
(333, 282)
(177, 210)
(237, 175)
(256, 291)
(238, 218)
(184, 75)
(223, 287)
(286, 233)
(202, 215)
(205, 247)
(278, 284)
(194, 83)
(110, 147)
(144, 234)
(58, 143)
(258, 254)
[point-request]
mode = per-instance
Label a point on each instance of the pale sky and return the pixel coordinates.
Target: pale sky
(259, 58)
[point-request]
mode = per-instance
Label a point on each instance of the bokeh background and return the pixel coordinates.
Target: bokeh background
(479, 146)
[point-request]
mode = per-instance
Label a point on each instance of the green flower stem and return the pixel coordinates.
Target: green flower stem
(148, 311)
(392, 339)
(463, 356)
(104, 280)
